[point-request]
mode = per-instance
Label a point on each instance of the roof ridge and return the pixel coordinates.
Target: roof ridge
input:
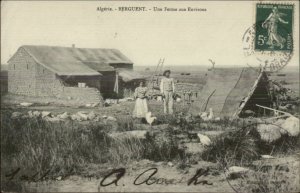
(36, 60)
(68, 60)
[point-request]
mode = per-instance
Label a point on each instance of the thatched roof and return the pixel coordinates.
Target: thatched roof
(225, 90)
(76, 61)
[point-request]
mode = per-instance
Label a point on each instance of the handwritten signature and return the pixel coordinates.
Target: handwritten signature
(148, 177)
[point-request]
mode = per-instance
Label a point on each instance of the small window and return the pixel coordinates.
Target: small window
(14, 66)
(43, 70)
(27, 66)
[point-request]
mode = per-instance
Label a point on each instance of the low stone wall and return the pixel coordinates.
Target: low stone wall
(188, 87)
(81, 95)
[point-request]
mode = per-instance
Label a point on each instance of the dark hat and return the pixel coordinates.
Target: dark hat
(164, 74)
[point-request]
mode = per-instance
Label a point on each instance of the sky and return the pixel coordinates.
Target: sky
(182, 38)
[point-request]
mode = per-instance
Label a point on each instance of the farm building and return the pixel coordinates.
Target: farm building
(232, 91)
(84, 74)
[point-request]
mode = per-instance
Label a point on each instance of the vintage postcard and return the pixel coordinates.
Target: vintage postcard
(150, 96)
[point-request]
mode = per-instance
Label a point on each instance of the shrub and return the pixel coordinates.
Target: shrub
(65, 148)
(163, 146)
(37, 146)
(232, 148)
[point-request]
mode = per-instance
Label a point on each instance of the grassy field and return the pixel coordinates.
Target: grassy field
(50, 151)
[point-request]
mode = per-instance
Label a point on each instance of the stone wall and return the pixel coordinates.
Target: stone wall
(47, 83)
(81, 95)
(26, 77)
(21, 74)
(188, 87)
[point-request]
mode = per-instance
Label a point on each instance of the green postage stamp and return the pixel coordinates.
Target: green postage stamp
(274, 27)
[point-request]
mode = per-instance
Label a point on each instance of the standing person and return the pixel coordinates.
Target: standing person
(141, 106)
(167, 88)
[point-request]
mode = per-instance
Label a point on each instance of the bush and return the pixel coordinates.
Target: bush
(163, 146)
(232, 148)
(65, 148)
(37, 146)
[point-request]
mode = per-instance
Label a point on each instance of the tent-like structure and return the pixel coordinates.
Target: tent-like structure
(231, 91)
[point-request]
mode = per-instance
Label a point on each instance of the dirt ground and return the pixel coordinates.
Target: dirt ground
(123, 109)
(167, 179)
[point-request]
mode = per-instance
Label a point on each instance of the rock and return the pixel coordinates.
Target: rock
(267, 157)
(88, 105)
(15, 115)
(236, 172)
(52, 119)
(159, 98)
(111, 101)
(170, 164)
(95, 104)
(91, 115)
(64, 115)
(83, 116)
(30, 114)
(279, 122)
(25, 104)
(268, 132)
(45, 113)
(291, 126)
(76, 117)
(204, 139)
(36, 113)
(159, 163)
(130, 99)
(69, 98)
(141, 134)
(109, 118)
(217, 119)
(122, 100)
(59, 178)
(104, 117)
